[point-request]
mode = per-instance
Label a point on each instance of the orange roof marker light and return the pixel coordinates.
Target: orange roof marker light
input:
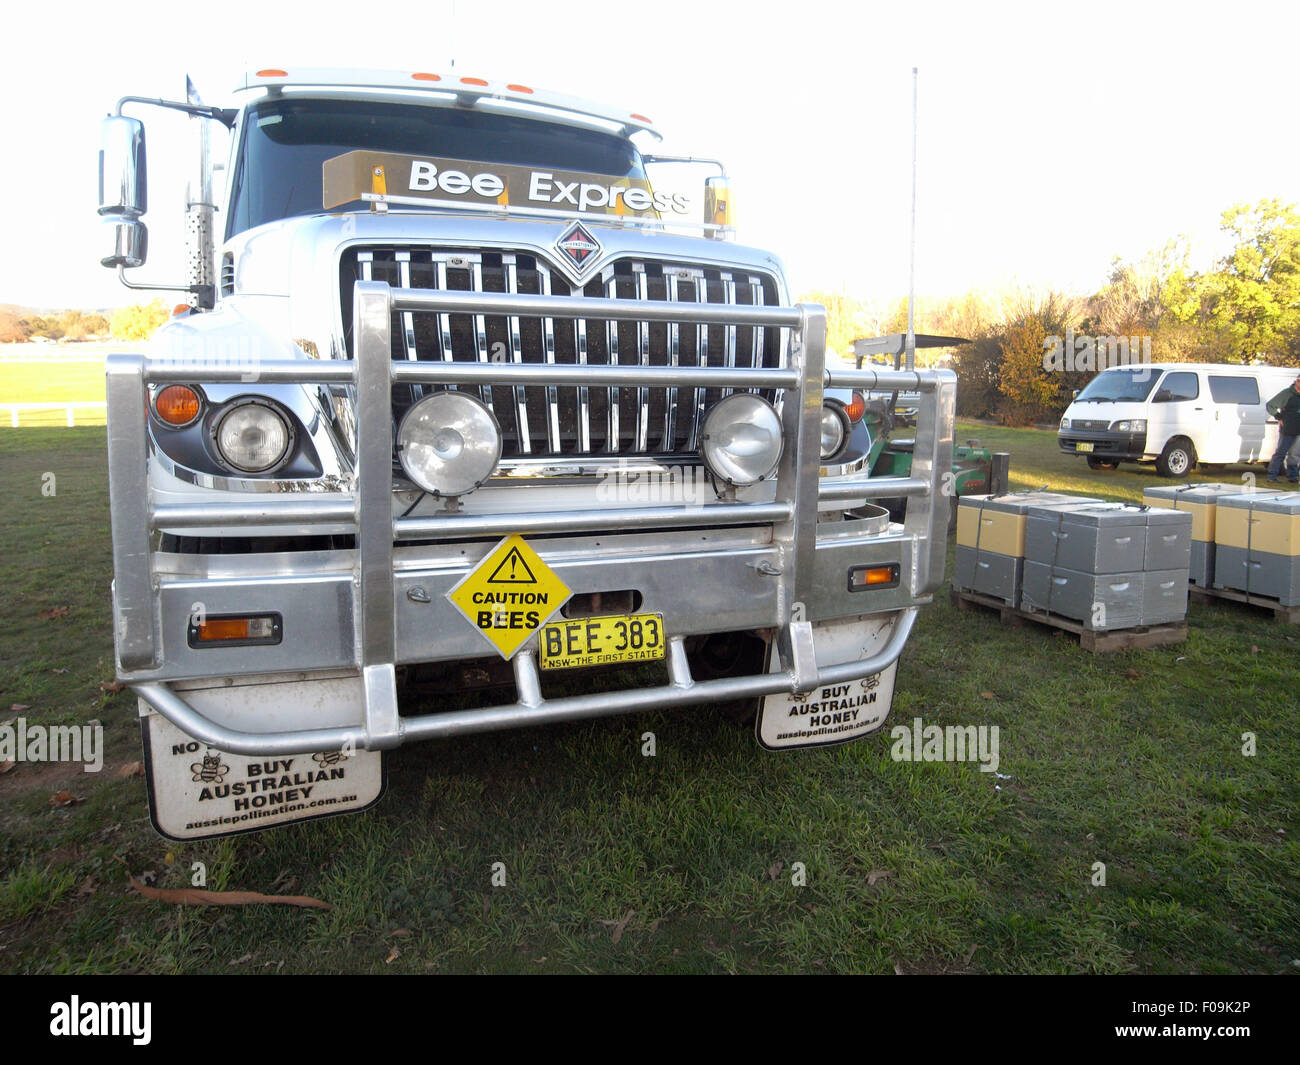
(422, 76)
(272, 72)
(641, 118)
(520, 88)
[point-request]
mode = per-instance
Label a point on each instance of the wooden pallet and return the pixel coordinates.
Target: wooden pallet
(1287, 614)
(1096, 642)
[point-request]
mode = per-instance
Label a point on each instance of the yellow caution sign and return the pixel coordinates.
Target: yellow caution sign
(509, 595)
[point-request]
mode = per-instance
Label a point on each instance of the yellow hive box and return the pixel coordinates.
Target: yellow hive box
(1268, 524)
(997, 523)
(1201, 501)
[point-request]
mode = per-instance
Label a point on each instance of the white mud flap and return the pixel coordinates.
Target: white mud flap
(836, 713)
(196, 792)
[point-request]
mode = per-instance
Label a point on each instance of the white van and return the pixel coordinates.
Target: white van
(1175, 415)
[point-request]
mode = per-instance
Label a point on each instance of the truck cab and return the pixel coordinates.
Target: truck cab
(467, 397)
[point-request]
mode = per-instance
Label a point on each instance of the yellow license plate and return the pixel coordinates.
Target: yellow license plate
(602, 641)
(1082, 447)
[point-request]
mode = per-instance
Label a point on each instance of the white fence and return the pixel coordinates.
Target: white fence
(47, 414)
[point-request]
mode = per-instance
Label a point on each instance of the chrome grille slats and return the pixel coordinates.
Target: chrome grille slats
(552, 412)
(642, 354)
(609, 282)
(524, 439)
(479, 332)
(566, 422)
(674, 353)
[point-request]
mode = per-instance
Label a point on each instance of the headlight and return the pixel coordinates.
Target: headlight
(449, 443)
(252, 437)
(741, 439)
(1130, 425)
(1065, 423)
(834, 430)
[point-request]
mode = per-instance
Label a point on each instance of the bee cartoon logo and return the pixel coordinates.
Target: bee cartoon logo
(210, 770)
(870, 682)
(328, 758)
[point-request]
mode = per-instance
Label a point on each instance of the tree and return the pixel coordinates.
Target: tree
(138, 321)
(13, 330)
(1249, 306)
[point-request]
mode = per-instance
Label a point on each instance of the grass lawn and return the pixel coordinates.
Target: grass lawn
(54, 380)
(682, 862)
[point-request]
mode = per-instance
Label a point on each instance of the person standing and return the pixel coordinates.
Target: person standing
(1285, 407)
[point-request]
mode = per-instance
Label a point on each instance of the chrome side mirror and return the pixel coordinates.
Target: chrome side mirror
(122, 184)
(130, 242)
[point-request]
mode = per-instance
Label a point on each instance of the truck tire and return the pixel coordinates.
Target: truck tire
(1178, 458)
(1095, 463)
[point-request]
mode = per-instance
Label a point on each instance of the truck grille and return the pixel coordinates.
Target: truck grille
(547, 421)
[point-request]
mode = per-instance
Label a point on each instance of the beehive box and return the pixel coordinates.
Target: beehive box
(997, 523)
(1201, 501)
(1108, 537)
(1103, 602)
(1257, 545)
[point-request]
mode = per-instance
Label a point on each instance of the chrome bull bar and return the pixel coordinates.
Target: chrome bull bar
(135, 516)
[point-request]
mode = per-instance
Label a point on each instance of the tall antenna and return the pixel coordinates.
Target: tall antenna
(910, 343)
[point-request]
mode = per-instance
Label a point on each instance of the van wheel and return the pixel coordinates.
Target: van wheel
(1177, 459)
(1095, 463)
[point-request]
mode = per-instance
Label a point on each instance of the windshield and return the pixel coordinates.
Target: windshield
(1120, 386)
(285, 142)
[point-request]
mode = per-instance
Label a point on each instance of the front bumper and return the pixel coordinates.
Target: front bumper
(1106, 444)
(355, 616)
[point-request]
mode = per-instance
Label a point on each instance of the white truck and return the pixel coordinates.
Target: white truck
(463, 401)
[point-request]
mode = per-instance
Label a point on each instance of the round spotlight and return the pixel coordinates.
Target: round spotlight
(834, 430)
(741, 439)
(449, 443)
(252, 437)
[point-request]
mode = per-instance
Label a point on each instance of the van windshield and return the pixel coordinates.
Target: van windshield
(284, 142)
(1128, 385)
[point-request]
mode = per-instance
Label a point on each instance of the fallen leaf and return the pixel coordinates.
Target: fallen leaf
(876, 875)
(17, 708)
(774, 870)
(61, 799)
(87, 886)
(986, 695)
(403, 932)
(898, 970)
(240, 961)
(199, 897)
(1132, 674)
(1253, 649)
(971, 954)
(54, 612)
(113, 686)
(63, 670)
(618, 928)
(5, 767)
(131, 769)
(169, 859)
(393, 956)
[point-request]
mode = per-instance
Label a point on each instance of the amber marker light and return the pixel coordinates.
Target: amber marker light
(422, 76)
(856, 409)
(272, 73)
(177, 405)
(235, 630)
(473, 81)
(520, 88)
(864, 577)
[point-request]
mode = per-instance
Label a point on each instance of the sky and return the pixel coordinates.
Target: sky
(1050, 138)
